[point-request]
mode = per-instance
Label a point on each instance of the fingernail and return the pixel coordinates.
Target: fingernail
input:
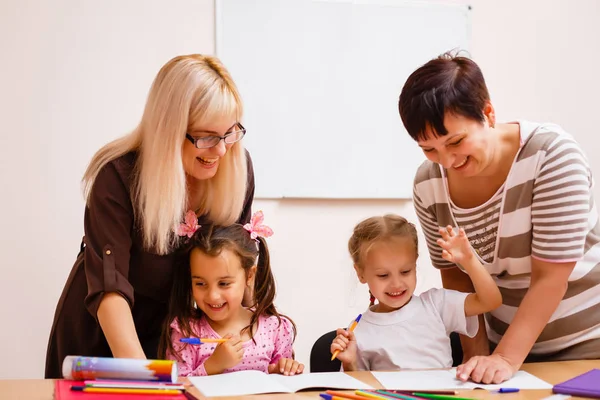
(463, 376)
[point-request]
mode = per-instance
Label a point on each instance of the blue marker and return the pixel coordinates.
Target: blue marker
(508, 390)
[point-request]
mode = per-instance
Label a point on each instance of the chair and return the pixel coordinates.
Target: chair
(320, 355)
(457, 353)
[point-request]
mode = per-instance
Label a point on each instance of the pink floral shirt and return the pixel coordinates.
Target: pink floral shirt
(273, 341)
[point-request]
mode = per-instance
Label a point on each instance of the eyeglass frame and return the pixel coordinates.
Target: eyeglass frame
(195, 140)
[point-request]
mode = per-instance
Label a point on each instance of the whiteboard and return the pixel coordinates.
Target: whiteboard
(320, 82)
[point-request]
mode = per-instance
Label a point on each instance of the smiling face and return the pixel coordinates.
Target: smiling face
(467, 149)
(203, 163)
(390, 269)
(218, 284)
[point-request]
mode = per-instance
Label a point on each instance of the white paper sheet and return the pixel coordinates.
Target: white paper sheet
(446, 379)
(255, 382)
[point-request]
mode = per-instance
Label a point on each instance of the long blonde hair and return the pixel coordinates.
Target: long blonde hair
(188, 90)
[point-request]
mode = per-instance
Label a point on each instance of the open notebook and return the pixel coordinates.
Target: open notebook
(446, 379)
(254, 382)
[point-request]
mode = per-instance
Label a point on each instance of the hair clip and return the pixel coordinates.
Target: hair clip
(256, 227)
(189, 226)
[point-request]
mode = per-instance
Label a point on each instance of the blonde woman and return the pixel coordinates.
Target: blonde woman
(184, 159)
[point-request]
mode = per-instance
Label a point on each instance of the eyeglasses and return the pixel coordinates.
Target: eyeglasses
(206, 142)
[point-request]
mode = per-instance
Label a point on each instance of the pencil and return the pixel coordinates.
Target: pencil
(403, 396)
(88, 389)
(201, 341)
(350, 329)
(345, 395)
(439, 396)
(448, 392)
(331, 397)
(371, 395)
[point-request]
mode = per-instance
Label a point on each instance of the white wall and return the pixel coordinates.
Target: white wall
(67, 88)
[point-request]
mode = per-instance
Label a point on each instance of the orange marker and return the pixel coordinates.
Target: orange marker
(350, 329)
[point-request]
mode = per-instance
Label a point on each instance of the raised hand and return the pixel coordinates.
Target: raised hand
(345, 343)
(226, 355)
(286, 366)
(455, 247)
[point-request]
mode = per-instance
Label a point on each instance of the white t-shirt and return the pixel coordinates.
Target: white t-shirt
(416, 335)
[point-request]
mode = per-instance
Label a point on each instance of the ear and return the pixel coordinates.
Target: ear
(490, 114)
(360, 274)
(250, 275)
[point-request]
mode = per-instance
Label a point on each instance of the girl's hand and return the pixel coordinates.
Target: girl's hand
(226, 355)
(455, 248)
(345, 343)
(486, 369)
(286, 366)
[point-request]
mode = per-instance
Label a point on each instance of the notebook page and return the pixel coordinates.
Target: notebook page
(420, 380)
(520, 380)
(329, 380)
(446, 379)
(238, 383)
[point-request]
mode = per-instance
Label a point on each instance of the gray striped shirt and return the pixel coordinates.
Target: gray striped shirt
(545, 210)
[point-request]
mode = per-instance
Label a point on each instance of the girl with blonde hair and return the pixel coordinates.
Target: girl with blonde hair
(184, 160)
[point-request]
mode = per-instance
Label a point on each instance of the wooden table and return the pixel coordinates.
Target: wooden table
(553, 372)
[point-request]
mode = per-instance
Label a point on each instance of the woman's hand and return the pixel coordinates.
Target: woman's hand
(486, 369)
(345, 343)
(455, 247)
(286, 366)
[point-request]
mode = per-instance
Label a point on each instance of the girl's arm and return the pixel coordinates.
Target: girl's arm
(455, 279)
(452, 277)
(457, 249)
(282, 359)
(116, 321)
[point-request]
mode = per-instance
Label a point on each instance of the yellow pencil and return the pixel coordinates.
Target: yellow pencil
(350, 329)
(370, 395)
(124, 390)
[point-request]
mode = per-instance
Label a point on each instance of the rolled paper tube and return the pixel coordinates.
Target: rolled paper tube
(83, 368)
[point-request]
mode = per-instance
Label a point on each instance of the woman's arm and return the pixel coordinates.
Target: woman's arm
(116, 321)
(548, 287)
(455, 279)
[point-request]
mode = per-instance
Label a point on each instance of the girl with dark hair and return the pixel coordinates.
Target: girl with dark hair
(220, 263)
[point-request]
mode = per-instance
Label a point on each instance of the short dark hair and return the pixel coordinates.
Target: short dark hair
(448, 83)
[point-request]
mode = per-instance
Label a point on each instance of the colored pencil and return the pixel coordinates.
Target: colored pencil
(331, 397)
(88, 389)
(448, 392)
(132, 384)
(350, 329)
(403, 396)
(439, 396)
(371, 395)
(345, 395)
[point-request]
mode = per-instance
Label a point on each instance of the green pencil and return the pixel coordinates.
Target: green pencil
(440, 397)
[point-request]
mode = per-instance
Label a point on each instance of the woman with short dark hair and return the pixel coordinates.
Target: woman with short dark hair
(522, 191)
